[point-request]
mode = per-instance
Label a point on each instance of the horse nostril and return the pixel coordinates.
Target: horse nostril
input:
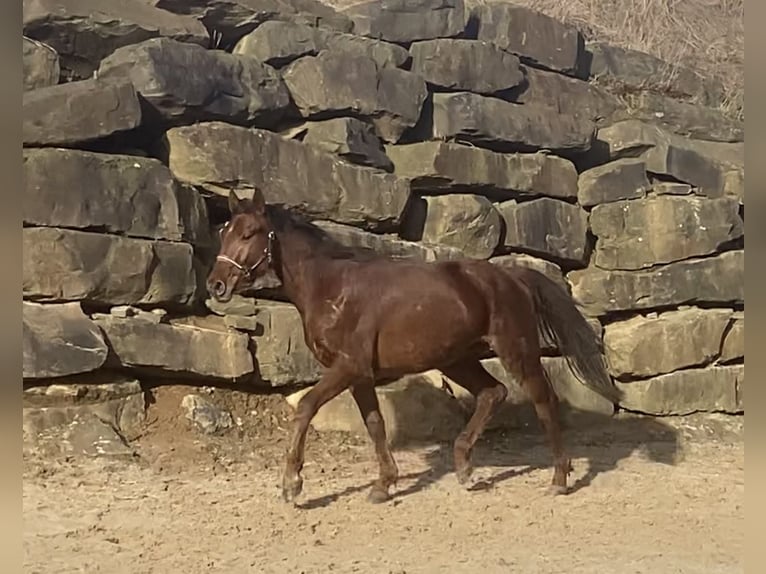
(219, 288)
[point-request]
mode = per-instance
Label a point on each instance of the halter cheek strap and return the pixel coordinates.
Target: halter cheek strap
(267, 256)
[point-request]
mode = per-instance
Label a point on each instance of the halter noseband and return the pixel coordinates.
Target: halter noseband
(248, 271)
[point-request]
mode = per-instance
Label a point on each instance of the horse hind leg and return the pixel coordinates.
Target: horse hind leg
(489, 393)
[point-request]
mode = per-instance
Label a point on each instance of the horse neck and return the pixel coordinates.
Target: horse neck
(297, 266)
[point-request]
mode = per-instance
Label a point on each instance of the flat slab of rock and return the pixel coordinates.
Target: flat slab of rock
(405, 21)
(59, 340)
(68, 265)
(40, 63)
(413, 410)
(94, 109)
(350, 138)
(503, 126)
(566, 95)
(637, 234)
(126, 195)
(282, 357)
(232, 19)
(446, 167)
(317, 182)
(647, 346)
(621, 179)
(713, 389)
(278, 43)
(536, 38)
(211, 351)
(705, 165)
(638, 71)
(334, 84)
(718, 279)
(733, 347)
(215, 86)
(466, 65)
(83, 32)
(469, 223)
(547, 228)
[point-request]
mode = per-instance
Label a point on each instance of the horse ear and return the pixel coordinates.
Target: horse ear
(234, 203)
(258, 203)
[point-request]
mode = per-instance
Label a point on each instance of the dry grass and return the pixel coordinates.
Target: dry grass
(707, 36)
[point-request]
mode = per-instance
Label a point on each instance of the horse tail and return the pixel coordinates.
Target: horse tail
(563, 323)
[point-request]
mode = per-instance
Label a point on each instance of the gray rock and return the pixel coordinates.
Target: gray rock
(614, 181)
(324, 186)
(279, 43)
(713, 389)
(671, 188)
(469, 223)
(205, 416)
(210, 350)
(733, 347)
(95, 109)
(282, 357)
(59, 340)
(466, 65)
(67, 265)
(446, 167)
(647, 346)
(333, 84)
(127, 195)
(41, 64)
(503, 126)
(538, 39)
(637, 234)
(238, 305)
(83, 32)
(717, 279)
(547, 268)
(546, 227)
(351, 139)
(215, 86)
(405, 21)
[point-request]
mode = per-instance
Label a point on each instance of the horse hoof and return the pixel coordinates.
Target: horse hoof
(292, 489)
(464, 476)
(557, 490)
(378, 496)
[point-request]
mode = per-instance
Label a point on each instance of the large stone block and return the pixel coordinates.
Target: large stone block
(566, 95)
(733, 347)
(282, 356)
(466, 65)
(215, 85)
(647, 346)
(637, 234)
(717, 279)
(40, 63)
(59, 340)
(714, 389)
(546, 227)
(613, 181)
(504, 126)
(84, 32)
(706, 165)
(443, 167)
(279, 43)
(333, 84)
(322, 185)
(126, 195)
(405, 21)
(209, 350)
(232, 19)
(466, 222)
(351, 139)
(638, 71)
(94, 109)
(67, 265)
(538, 39)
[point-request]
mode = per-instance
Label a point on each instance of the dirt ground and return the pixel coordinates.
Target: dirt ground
(659, 496)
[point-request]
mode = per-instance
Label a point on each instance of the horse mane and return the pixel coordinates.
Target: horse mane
(289, 220)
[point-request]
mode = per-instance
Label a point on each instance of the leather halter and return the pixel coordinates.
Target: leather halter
(266, 256)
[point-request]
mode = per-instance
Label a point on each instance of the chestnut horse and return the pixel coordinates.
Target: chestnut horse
(370, 320)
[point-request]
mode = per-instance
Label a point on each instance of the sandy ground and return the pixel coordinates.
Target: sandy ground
(659, 496)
